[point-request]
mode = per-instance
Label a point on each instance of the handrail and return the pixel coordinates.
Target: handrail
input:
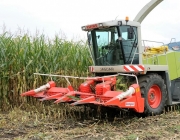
(155, 55)
(115, 75)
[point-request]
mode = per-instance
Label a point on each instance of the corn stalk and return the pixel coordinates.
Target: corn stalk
(23, 55)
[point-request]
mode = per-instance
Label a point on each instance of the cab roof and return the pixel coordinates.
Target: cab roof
(106, 24)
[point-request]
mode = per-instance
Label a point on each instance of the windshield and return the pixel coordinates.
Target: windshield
(111, 46)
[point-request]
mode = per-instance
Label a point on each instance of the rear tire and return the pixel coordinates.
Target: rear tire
(154, 92)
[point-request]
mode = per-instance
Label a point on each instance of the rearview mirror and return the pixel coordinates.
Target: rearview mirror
(130, 33)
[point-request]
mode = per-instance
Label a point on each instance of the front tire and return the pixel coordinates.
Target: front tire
(154, 92)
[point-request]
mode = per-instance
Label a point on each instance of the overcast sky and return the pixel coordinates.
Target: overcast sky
(67, 16)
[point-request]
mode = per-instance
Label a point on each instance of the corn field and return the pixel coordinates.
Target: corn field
(23, 55)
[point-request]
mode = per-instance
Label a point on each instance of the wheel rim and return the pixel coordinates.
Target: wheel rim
(154, 96)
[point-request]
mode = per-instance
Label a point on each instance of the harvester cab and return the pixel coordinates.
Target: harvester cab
(114, 42)
(127, 74)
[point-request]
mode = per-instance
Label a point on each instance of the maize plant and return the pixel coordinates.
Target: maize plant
(23, 55)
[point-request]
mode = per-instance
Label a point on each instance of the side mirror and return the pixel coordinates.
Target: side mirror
(130, 33)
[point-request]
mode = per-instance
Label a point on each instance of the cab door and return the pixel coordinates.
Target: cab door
(129, 45)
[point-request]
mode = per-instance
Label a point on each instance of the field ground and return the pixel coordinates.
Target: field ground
(18, 124)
